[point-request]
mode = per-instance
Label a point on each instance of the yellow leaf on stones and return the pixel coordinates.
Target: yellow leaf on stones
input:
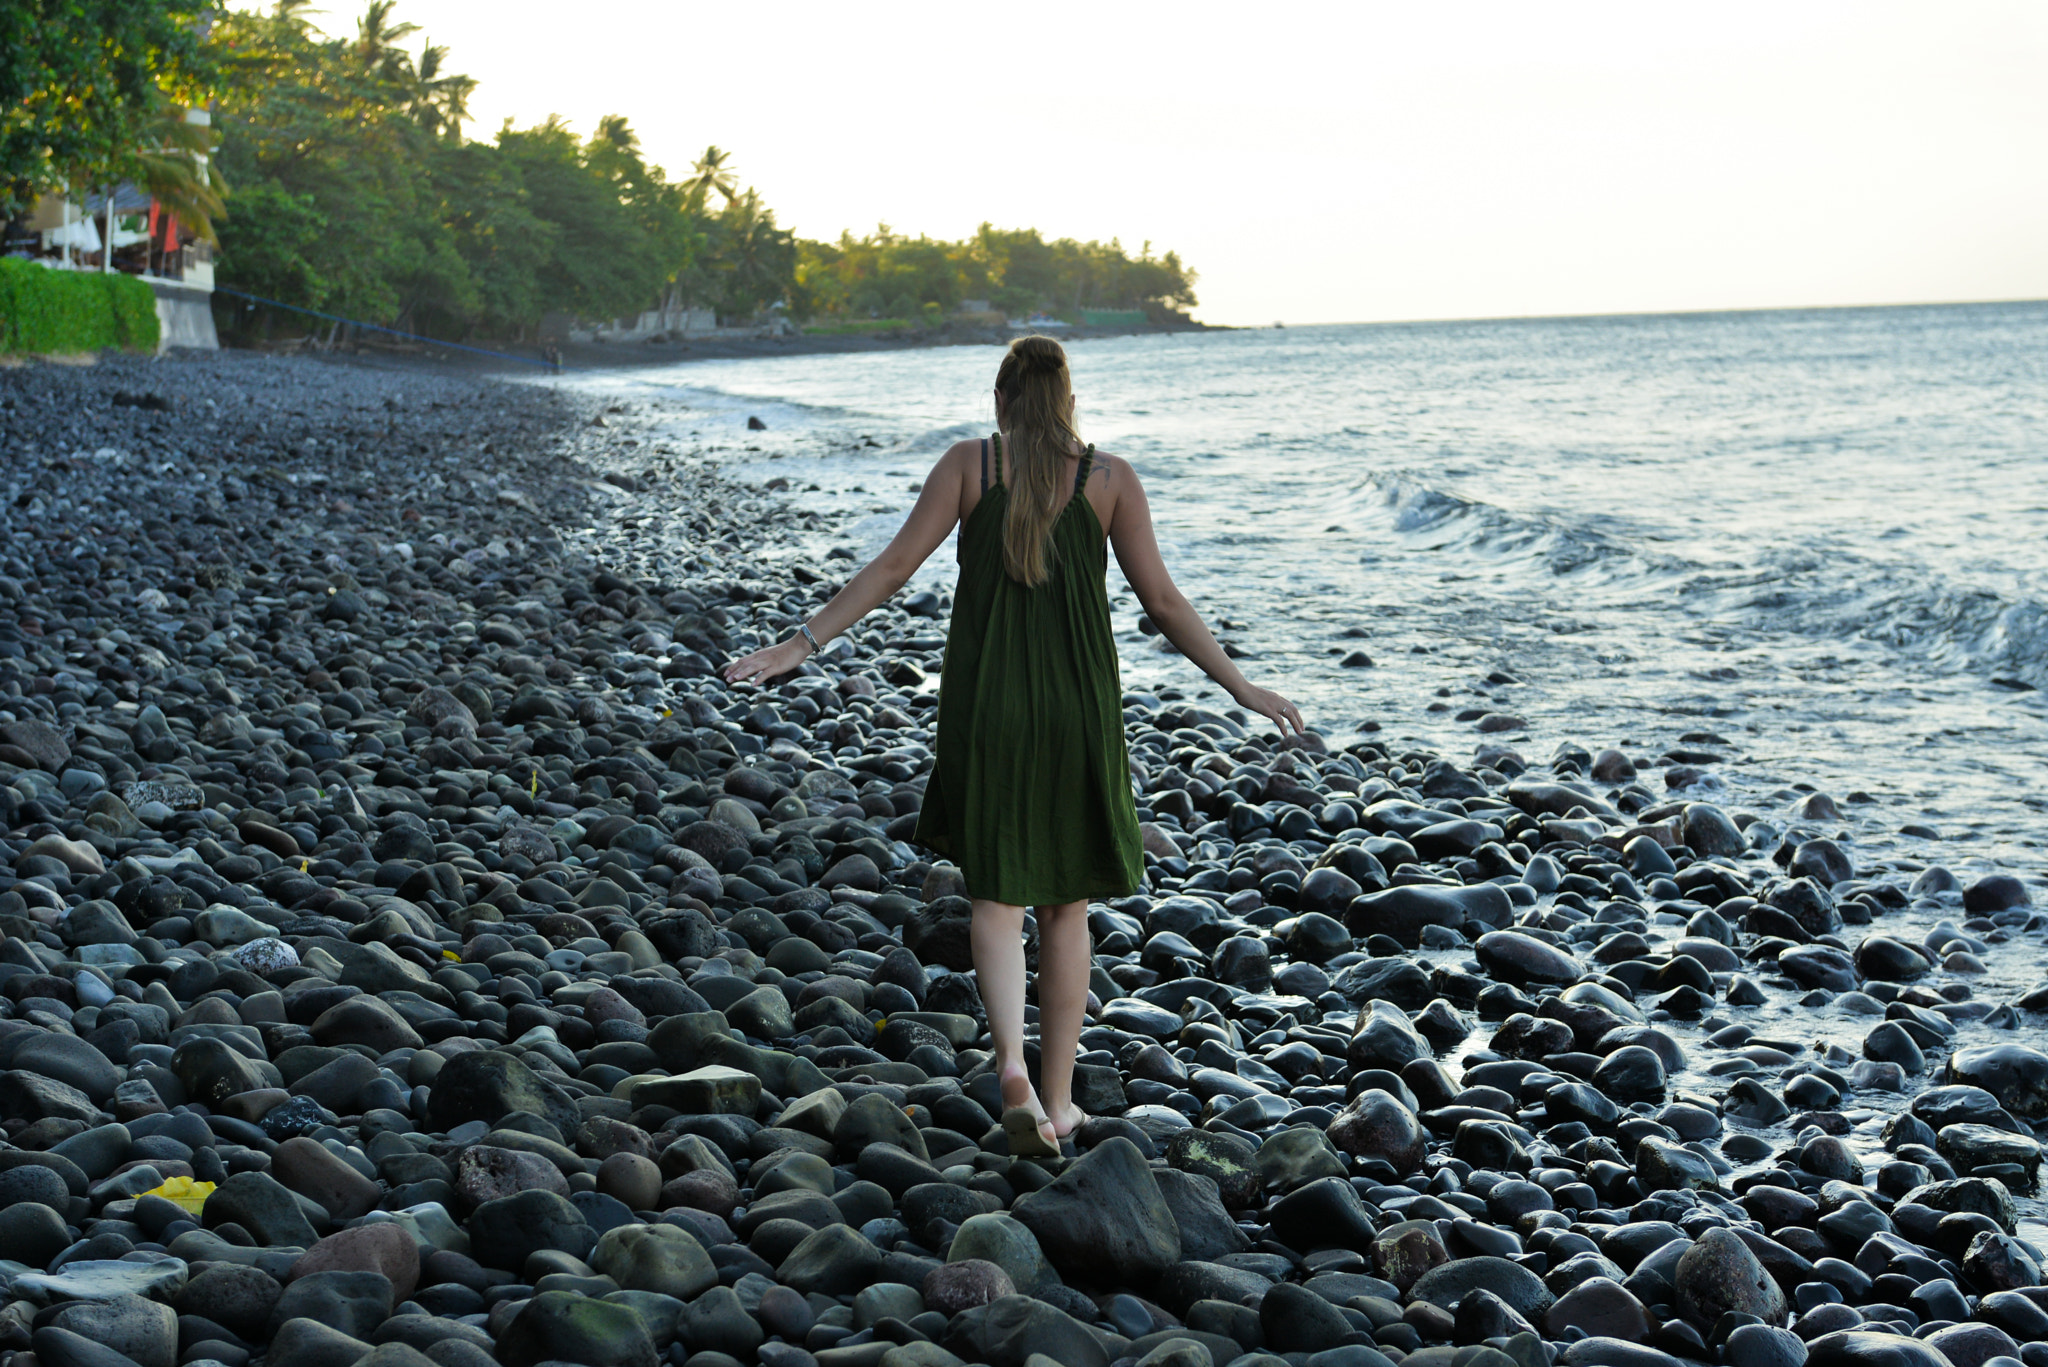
(186, 1193)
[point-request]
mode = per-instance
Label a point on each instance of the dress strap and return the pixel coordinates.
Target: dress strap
(1081, 475)
(984, 465)
(998, 440)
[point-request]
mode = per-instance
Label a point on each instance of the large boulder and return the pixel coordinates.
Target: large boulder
(1104, 1218)
(1719, 1274)
(487, 1085)
(567, 1326)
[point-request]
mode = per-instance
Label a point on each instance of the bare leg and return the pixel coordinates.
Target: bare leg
(996, 935)
(1063, 964)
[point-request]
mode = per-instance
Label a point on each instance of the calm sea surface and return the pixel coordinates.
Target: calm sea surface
(1814, 543)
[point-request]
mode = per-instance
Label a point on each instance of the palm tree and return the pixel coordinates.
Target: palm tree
(714, 171)
(376, 47)
(439, 103)
(294, 14)
(756, 259)
(177, 170)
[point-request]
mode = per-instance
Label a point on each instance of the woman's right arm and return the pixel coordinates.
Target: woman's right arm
(937, 509)
(1137, 551)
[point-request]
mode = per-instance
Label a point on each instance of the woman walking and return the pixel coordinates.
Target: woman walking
(1031, 790)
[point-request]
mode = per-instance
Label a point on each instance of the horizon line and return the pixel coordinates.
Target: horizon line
(1627, 313)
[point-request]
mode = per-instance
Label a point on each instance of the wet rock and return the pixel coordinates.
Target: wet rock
(1224, 1159)
(1294, 1319)
(1402, 912)
(1326, 1213)
(1719, 1275)
(2014, 1073)
(1602, 1307)
(1522, 1290)
(1515, 957)
(1861, 1348)
(1374, 1124)
(1403, 1251)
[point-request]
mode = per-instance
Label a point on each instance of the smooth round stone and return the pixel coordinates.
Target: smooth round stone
(1763, 1345)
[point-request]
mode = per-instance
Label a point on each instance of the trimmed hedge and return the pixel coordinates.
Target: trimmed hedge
(44, 311)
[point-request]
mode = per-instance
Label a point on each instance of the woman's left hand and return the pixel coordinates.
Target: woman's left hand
(1271, 706)
(771, 663)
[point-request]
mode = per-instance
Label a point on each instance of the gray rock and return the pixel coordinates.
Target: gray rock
(143, 1331)
(355, 1303)
(1376, 1125)
(504, 1232)
(2014, 1073)
(1863, 1348)
(239, 1298)
(1719, 1274)
(1206, 1230)
(1000, 1239)
(70, 1060)
(562, 1326)
(488, 1085)
(153, 1276)
(836, 1260)
(658, 1258)
(1515, 957)
(66, 1348)
(262, 1205)
(1445, 1286)
(1104, 1218)
(31, 1230)
(716, 1322)
(955, 1286)
(1011, 1329)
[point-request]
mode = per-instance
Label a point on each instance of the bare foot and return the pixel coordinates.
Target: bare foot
(1018, 1092)
(1066, 1119)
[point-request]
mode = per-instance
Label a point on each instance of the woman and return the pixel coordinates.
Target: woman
(1031, 791)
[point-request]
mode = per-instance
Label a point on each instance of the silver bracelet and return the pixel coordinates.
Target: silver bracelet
(805, 629)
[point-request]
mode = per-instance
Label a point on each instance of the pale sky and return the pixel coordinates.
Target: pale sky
(1357, 161)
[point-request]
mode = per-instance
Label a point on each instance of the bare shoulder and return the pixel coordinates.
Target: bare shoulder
(1112, 468)
(961, 452)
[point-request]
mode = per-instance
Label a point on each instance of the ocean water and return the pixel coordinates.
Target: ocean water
(1814, 544)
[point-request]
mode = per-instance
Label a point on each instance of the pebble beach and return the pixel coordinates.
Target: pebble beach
(414, 954)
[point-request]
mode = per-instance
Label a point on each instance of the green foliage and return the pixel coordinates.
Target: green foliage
(45, 311)
(357, 193)
(886, 274)
(85, 87)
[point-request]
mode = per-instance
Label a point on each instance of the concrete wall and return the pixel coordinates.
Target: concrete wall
(184, 315)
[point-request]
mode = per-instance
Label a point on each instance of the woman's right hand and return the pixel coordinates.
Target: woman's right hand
(770, 663)
(1271, 706)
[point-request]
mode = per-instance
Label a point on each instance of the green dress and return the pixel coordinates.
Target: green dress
(1031, 792)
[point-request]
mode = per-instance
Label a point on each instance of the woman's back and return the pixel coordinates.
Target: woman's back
(1031, 789)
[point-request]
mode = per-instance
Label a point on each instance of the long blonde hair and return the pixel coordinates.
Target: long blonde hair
(1038, 414)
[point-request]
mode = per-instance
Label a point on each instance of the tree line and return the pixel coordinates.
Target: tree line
(342, 180)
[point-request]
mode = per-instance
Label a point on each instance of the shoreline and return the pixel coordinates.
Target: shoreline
(429, 822)
(606, 356)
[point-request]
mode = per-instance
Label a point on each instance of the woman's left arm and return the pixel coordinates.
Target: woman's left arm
(937, 510)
